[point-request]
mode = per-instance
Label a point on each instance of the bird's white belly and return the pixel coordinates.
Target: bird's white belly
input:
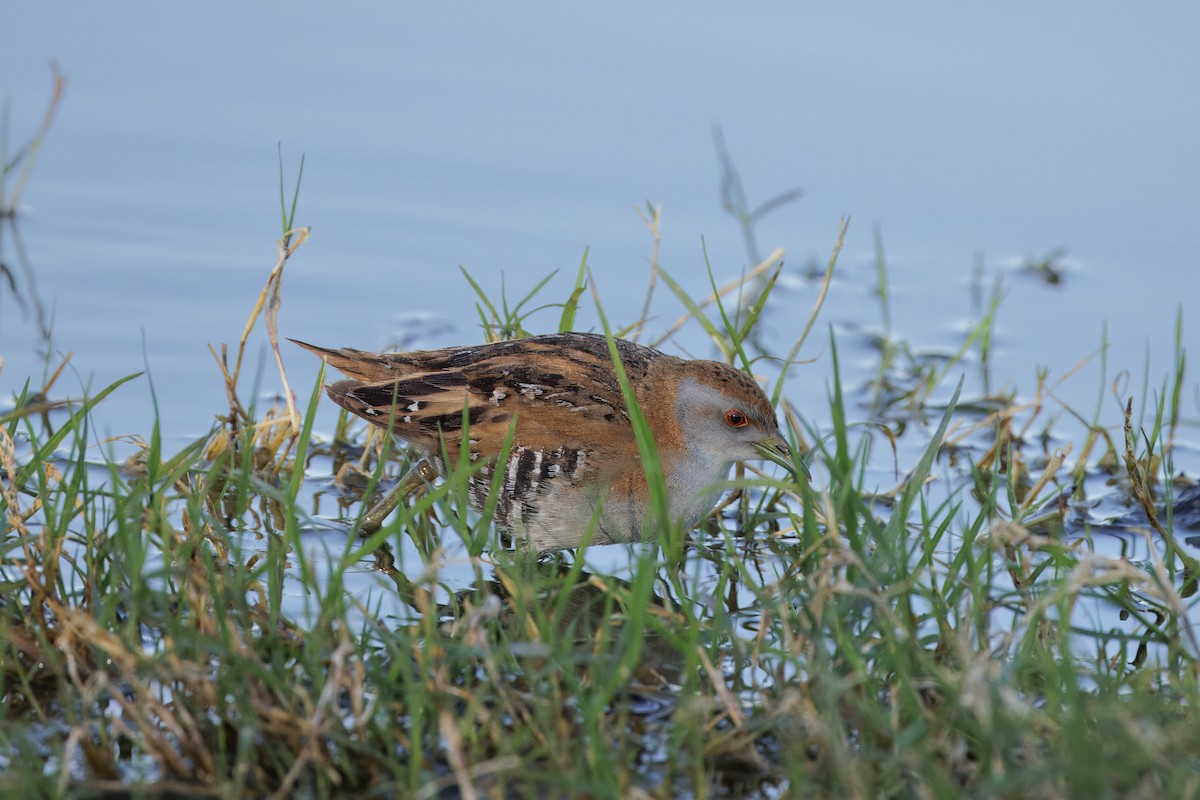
(559, 510)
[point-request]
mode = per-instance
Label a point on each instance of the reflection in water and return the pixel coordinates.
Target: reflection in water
(17, 278)
(1117, 514)
(18, 169)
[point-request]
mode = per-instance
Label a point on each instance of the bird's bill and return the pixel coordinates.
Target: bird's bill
(776, 450)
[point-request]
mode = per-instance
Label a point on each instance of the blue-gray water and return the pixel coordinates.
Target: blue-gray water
(509, 138)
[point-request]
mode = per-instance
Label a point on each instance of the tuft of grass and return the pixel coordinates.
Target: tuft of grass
(211, 623)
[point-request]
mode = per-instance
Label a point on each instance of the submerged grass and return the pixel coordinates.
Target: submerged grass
(185, 625)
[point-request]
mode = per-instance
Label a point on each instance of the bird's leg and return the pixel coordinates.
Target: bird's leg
(417, 477)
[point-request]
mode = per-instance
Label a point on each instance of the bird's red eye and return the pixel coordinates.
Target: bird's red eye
(736, 419)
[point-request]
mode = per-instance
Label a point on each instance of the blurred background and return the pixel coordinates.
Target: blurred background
(509, 139)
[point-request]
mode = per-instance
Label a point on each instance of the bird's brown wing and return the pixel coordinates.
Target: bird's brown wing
(562, 388)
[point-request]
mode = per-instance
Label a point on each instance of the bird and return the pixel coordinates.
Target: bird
(573, 472)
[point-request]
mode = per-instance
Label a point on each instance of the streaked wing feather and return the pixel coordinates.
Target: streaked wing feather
(421, 394)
